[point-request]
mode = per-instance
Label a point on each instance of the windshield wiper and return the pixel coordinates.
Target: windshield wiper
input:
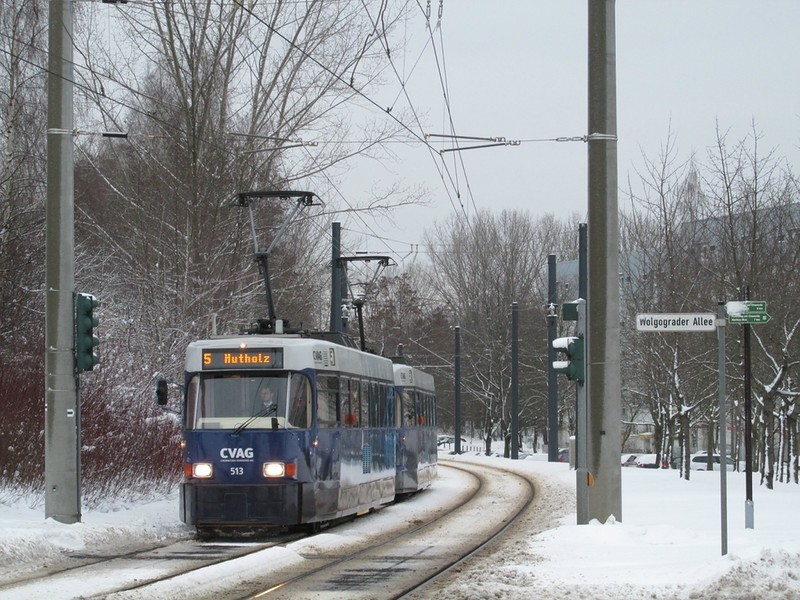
(264, 412)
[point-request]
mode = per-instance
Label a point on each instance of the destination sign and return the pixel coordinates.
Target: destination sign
(238, 358)
(676, 322)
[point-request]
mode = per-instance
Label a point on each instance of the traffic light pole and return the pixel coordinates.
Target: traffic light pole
(62, 410)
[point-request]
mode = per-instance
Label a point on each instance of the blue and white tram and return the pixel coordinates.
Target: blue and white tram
(415, 417)
(283, 430)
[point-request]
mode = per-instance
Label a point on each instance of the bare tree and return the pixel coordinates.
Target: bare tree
(220, 98)
(22, 171)
(661, 236)
(755, 196)
(696, 236)
(478, 269)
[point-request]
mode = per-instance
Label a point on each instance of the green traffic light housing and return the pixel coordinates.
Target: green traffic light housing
(573, 367)
(85, 339)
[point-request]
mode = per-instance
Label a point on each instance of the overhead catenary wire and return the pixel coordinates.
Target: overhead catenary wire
(99, 92)
(432, 151)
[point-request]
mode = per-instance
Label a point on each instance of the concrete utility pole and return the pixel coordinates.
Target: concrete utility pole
(62, 410)
(603, 379)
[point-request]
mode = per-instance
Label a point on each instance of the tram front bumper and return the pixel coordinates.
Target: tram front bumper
(273, 505)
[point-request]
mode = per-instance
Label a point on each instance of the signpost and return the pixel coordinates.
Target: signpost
(747, 312)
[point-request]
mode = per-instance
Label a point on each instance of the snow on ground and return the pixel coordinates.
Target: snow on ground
(666, 546)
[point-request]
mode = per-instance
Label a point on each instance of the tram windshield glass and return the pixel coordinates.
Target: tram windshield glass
(231, 401)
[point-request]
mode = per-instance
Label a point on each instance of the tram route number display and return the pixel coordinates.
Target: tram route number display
(238, 358)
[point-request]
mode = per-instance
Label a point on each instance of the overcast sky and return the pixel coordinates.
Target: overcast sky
(518, 69)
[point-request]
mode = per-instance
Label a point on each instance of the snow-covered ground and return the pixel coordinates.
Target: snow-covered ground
(667, 545)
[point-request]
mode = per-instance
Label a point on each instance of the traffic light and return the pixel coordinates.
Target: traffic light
(85, 340)
(573, 367)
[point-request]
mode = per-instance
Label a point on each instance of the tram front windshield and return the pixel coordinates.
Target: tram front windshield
(230, 401)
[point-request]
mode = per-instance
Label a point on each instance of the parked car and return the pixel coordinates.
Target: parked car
(563, 455)
(448, 440)
(629, 460)
(646, 461)
(699, 462)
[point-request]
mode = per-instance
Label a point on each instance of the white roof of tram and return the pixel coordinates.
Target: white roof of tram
(298, 353)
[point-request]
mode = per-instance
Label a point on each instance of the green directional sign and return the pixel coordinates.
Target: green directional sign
(747, 312)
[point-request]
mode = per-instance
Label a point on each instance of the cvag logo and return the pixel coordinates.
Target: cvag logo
(229, 453)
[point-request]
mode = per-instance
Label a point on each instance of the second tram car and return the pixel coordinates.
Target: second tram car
(289, 430)
(415, 417)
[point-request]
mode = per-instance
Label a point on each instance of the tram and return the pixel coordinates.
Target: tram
(284, 430)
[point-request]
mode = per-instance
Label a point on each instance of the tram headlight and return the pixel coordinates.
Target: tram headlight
(202, 470)
(279, 469)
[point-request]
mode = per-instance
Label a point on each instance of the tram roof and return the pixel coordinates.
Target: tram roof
(412, 376)
(299, 352)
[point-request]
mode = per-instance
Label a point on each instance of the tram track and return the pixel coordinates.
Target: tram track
(105, 573)
(392, 553)
(408, 561)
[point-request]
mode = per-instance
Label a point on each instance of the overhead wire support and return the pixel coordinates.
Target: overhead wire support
(77, 132)
(293, 142)
(493, 141)
(610, 137)
(493, 145)
(501, 141)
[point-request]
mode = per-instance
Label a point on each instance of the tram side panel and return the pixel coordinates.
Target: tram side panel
(368, 458)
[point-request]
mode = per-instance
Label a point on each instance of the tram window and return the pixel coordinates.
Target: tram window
(419, 405)
(398, 408)
(350, 406)
(226, 401)
(299, 401)
(192, 393)
(387, 395)
(344, 398)
(364, 402)
(408, 409)
(373, 404)
(327, 400)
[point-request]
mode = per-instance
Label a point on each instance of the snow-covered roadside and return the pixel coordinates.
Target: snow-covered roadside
(29, 542)
(668, 545)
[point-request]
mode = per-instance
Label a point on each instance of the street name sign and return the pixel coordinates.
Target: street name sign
(747, 312)
(668, 322)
